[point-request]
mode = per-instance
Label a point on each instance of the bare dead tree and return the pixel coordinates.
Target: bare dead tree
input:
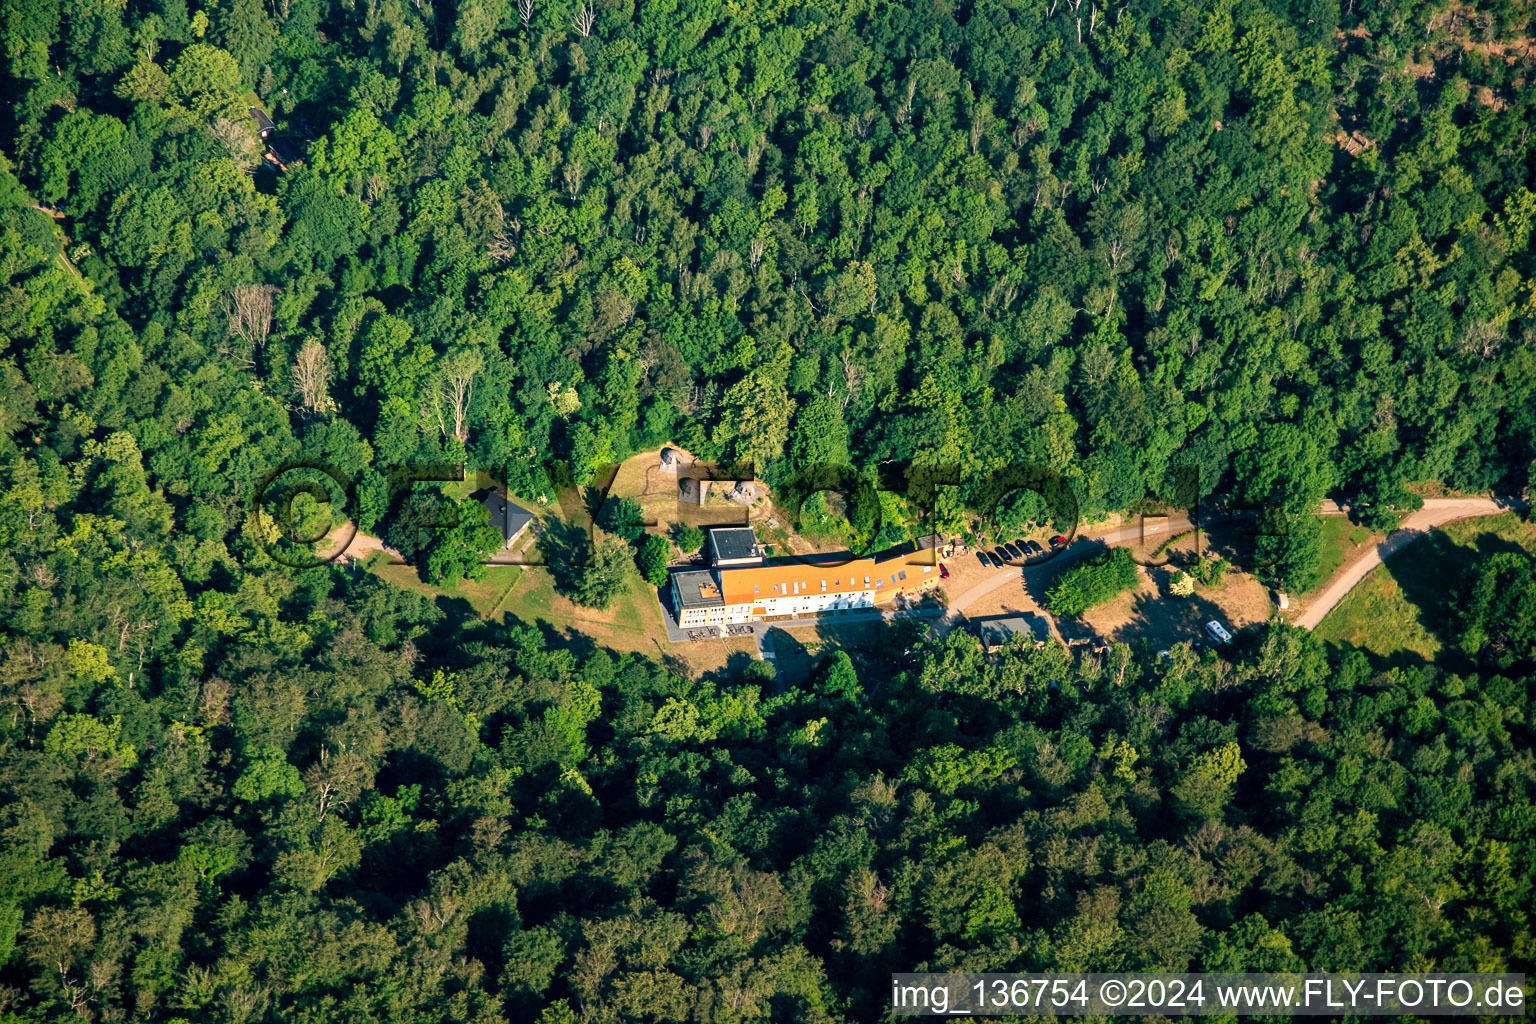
(904, 111)
(213, 700)
(645, 359)
(452, 392)
(312, 377)
(502, 248)
(706, 133)
(1117, 252)
(1483, 338)
(248, 308)
(755, 252)
(573, 174)
(434, 914)
(853, 378)
(583, 19)
(336, 779)
(374, 186)
(237, 142)
(1001, 295)
(525, 11)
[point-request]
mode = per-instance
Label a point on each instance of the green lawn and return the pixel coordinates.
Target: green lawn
(487, 596)
(1340, 537)
(1376, 616)
(1405, 608)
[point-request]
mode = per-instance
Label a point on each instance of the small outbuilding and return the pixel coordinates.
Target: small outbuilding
(734, 545)
(281, 153)
(506, 515)
(996, 633)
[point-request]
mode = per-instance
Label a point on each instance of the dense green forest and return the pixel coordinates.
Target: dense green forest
(1288, 243)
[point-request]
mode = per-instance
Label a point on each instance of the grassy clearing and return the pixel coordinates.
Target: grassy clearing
(1405, 609)
(631, 624)
(633, 614)
(1506, 527)
(484, 596)
(1377, 616)
(1341, 539)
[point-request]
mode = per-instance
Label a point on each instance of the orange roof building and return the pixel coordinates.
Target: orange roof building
(727, 593)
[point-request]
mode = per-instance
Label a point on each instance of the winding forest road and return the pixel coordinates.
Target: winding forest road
(1436, 512)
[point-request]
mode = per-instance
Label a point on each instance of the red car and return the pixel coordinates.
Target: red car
(943, 571)
(1058, 540)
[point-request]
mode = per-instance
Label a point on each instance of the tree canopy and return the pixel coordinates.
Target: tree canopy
(1267, 250)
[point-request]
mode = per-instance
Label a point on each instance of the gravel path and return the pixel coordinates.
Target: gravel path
(1436, 512)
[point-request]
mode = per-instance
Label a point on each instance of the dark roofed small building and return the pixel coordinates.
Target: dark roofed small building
(506, 515)
(286, 152)
(281, 153)
(264, 123)
(734, 545)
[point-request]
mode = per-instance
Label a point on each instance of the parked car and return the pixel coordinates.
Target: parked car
(1218, 632)
(943, 571)
(1013, 552)
(981, 556)
(1058, 540)
(1034, 547)
(1000, 556)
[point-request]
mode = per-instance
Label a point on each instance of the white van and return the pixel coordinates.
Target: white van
(1218, 632)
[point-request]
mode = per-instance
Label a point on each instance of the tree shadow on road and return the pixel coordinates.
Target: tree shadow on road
(794, 661)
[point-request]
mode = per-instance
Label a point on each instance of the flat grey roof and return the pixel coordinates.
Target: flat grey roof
(696, 588)
(996, 632)
(733, 542)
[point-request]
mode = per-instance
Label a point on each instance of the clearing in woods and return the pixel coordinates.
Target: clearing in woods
(1404, 610)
